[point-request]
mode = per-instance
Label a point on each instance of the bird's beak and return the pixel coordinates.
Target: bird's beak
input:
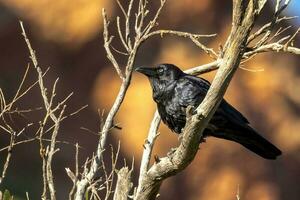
(148, 71)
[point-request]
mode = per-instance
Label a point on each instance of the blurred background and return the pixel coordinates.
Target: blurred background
(67, 37)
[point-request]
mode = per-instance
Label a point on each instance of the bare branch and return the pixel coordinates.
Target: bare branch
(148, 146)
(204, 68)
(124, 184)
(107, 42)
(291, 40)
(52, 151)
(178, 33)
(50, 113)
(127, 25)
(153, 22)
(9, 151)
(74, 177)
(266, 27)
(193, 37)
(275, 47)
(121, 35)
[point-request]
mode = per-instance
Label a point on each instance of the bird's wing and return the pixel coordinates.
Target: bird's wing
(232, 113)
(191, 90)
(188, 92)
(225, 108)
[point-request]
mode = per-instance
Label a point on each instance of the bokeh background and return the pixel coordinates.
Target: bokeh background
(67, 36)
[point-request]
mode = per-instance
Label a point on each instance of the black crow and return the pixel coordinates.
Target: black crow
(174, 91)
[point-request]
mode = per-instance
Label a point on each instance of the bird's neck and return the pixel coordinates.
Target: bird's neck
(162, 90)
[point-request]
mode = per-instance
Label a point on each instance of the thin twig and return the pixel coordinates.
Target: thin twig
(47, 152)
(107, 42)
(193, 37)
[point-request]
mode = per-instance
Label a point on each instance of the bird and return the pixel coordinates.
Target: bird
(174, 91)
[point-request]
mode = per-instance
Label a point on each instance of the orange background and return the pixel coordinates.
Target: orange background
(67, 36)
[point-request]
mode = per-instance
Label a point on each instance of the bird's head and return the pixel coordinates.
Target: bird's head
(162, 73)
(161, 77)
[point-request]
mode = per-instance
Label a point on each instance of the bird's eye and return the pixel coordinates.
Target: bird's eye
(160, 70)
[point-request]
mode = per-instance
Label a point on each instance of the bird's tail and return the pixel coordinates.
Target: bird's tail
(249, 138)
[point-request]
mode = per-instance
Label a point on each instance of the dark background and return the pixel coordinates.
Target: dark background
(67, 37)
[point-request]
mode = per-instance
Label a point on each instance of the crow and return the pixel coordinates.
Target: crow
(173, 91)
